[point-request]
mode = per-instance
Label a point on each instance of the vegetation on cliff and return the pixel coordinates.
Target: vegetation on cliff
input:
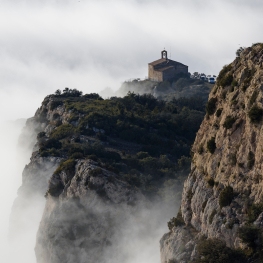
(181, 86)
(145, 141)
(222, 196)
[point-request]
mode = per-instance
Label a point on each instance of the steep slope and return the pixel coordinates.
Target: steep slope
(222, 196)
(109, 170)
(84, 223)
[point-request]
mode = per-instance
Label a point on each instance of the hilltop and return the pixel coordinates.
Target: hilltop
(181, 86)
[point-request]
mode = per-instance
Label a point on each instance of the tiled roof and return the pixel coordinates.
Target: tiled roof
(163, 60)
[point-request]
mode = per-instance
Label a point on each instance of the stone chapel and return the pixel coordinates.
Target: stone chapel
(164, 68)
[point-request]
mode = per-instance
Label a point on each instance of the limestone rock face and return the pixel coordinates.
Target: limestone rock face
(85, 219)
(226, 171)
(85, 210)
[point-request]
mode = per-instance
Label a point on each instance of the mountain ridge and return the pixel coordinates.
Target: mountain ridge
(222, 196)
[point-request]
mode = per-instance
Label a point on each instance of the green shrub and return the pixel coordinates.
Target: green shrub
(164, 132)
(211, 145)
(226, 196)
(239, 51)
(218, 112)
(229, 121)
(211, 106)
(248, 75)
(176, 221)
(55, 103)
(56, 116)
(234, 83)
(95, 171)
(225, 77)
(223, 74)
(63, 131)
(250, 235)
(211, 181)
(149, 162)
(251, 160)
(74, 148)
(133, 179)
(226, 80)
(231, 89)
(215, 251)
(76, 155)
(44, 153)
(254, 211)
(41, 135)
(55, 186)
(142, 155)
(67, 166)
(93, 96)
(255, 114)
(51, 143)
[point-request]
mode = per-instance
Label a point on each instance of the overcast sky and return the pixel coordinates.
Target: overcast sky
(94, 44)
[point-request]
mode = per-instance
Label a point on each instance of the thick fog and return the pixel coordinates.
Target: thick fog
(11, 171)
(93, 45)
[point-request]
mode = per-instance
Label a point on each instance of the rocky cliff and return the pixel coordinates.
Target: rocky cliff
(103, 176)
(222, 207)
(84, 222)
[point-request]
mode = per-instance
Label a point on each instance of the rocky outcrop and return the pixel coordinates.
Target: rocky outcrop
(223, 192)
(84, 207)
(95, 189)
(83, 220)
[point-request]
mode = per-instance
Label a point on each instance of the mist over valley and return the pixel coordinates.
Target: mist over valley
(114, 146)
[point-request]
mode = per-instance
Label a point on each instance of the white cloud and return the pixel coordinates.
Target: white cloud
(90, 45)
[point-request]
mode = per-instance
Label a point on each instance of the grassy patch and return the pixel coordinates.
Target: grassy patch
(63, 131)
(225, 78)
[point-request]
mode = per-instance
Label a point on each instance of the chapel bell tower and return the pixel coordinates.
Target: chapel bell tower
(164, 54)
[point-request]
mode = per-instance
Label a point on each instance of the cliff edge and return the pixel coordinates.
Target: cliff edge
(103, 175)
(221, 214)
